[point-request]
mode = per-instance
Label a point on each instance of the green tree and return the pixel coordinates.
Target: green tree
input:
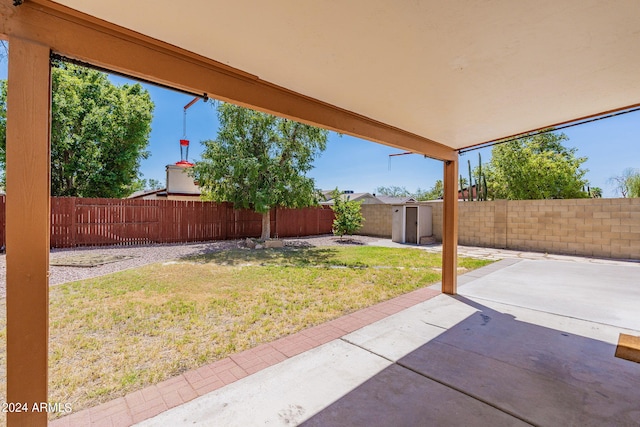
(348, 215)
(595, 192)
(99, 133)
(259, 162)
(145, 184)
(152, 184)
(627, 184)
(634, 186)
(536, 167)
(393, 191)
(434, 193)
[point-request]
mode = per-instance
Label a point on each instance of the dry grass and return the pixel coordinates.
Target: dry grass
(118, 333)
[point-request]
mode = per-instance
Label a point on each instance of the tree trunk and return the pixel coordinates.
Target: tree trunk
(266, 226)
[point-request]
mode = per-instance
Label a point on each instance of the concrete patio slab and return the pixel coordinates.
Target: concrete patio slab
(395, 336)
(608, 294)
(596, 331)
(540, 375)
(400, 397)
(281, 395)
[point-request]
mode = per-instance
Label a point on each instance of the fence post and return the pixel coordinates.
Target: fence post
(72, 213)
(155, 213)
(225, 219)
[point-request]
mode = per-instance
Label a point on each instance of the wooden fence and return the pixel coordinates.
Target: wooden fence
(95, 222)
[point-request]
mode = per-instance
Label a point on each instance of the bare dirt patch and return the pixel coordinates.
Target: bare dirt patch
(88, 260)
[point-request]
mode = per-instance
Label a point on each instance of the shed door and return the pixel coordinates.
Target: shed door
(411, 228)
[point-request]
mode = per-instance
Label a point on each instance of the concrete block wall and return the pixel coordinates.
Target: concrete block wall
(377, 220)
(436, 215)
(608, 228)
(479, 223)
(476, 224)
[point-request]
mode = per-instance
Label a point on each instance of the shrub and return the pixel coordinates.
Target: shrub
(349, 218)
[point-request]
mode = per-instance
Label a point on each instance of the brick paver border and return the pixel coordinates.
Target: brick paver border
(151, 401)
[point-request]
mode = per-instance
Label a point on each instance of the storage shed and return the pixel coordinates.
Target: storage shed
(411, 222)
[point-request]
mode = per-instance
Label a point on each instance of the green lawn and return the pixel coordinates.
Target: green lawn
(118, 333)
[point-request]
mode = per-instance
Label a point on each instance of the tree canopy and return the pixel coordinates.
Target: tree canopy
(259, 162)
(536, 167)
(433, 193)
(393, 191)
(594, 192)
(99, 133)
(628, 183)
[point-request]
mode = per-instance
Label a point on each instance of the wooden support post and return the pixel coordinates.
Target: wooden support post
(450, 228)
(28, 228)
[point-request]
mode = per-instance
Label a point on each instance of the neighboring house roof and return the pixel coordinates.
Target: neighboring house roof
(466, 192)
(366, 198)
(142, 193)
(390, 200)
(326, 194)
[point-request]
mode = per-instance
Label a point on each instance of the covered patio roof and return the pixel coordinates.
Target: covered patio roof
(458, 73)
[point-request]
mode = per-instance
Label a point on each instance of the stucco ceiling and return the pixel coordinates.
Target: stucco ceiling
(457, 72)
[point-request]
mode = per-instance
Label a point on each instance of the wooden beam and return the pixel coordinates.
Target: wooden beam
(450, 229)
(85, 38)
(27, 228)
(628, 348)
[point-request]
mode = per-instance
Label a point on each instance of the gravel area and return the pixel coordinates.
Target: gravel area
(149, 254)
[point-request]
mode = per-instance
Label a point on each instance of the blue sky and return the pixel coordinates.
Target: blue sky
(611, 145)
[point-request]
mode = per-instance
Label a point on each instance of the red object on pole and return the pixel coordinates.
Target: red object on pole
(184, 147)
(184, 143)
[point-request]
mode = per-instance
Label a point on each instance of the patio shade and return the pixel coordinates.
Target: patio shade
(459, 73)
